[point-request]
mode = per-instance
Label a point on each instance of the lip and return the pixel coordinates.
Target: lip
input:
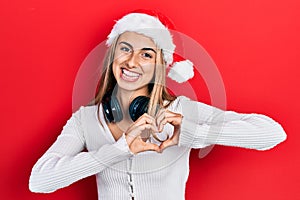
(129, 78)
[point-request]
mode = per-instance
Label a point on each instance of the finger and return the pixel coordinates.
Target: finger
(161, 111)
(159, 119)
(138, 145)
(147, 131)
(150, 146)
(174, 120)
(165, 144)
(139, 129)
(145, 119)
(165, 114)
(157, 138)
(162, 123)
(137, 134)
(147, 127)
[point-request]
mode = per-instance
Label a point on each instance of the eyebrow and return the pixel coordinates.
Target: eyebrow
(143, 49)
(149, 49)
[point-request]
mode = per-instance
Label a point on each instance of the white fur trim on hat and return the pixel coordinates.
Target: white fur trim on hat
(181, 71)
(149, 26)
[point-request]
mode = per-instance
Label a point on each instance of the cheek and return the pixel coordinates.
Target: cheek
(150, 72)
(120, 58)
(115, 70)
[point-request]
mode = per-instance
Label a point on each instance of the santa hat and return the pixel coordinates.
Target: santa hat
(156, 26)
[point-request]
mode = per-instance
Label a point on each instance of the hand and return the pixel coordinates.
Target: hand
(134, 137)
(163, 117)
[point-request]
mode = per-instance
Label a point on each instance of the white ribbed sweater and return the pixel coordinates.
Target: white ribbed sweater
(147, 175)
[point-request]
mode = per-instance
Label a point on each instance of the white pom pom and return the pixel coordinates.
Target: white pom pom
(181, 71)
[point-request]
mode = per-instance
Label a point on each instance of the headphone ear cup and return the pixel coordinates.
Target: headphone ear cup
(107, 108)
(138, 107)
(116, 109)
(111, 108)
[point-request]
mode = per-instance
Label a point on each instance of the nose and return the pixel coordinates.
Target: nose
(132, 60)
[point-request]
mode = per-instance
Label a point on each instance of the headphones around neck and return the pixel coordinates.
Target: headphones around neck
(113, 112)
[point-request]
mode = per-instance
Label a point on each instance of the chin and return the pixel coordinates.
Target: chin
(130, 86)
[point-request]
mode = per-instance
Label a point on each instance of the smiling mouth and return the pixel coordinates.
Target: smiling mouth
(129, 76)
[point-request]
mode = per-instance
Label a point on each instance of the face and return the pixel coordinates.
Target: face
(134, 62)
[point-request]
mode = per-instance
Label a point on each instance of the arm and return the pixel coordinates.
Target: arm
(64, 162)
(204, 125)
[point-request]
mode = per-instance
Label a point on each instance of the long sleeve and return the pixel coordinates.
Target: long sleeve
(205, 125)
(65, 162)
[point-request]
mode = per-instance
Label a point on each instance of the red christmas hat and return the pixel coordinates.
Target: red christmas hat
(156, 26)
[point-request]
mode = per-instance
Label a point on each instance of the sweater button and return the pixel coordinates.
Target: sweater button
(132, 194)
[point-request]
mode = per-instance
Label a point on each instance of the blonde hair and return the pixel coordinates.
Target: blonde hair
(156, 88)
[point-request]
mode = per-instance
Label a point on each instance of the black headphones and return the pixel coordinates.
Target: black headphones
(113, 112)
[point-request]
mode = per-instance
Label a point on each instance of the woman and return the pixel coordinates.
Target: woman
(138, 137)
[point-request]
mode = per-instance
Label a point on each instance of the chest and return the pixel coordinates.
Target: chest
(115, 130)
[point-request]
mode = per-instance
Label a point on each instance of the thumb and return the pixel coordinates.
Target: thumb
(165, 144)
(150, 147)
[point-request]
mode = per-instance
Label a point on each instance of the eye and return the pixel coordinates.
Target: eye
(147, 55)
(125, 49)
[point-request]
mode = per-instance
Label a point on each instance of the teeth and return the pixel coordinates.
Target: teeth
(131, 74)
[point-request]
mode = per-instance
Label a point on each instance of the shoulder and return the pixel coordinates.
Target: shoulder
(85, 112)
(183, 103)
(175, 105)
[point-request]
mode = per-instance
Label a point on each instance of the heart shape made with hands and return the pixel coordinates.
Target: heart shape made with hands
(139, 132)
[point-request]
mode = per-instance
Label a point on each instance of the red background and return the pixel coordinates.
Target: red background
(255, 44)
